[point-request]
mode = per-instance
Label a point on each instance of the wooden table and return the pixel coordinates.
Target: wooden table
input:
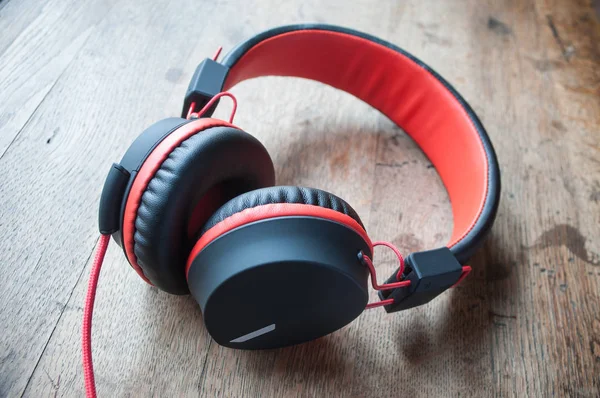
(78, 82)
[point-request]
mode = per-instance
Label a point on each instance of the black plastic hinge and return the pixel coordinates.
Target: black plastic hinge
(207, 81)
(111, 199)
(430, 273)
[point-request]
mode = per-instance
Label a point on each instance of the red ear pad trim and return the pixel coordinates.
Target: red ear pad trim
(274, 210)
(405, 90)
(147, 172)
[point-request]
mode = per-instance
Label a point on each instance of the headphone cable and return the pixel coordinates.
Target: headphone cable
(86, 331)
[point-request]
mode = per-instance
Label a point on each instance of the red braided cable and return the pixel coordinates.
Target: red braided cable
(216, 56)
(86, 332)
(210, 103)
(386, 286)
(397, 253)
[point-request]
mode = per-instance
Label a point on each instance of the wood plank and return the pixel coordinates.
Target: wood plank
(525, 323)
(14, 19)
(548, 299)
(37, 44)
(57, 165)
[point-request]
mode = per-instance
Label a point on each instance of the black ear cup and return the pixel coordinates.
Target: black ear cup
(279, 266)
(192, 180)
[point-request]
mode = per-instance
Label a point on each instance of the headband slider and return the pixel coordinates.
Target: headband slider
(429, 272)
(110, 201)
(207, 81)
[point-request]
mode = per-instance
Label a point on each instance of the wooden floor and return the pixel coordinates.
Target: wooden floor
(79, 80)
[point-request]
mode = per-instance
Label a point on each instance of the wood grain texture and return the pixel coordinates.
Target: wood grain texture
(79, 81)
(41, 41)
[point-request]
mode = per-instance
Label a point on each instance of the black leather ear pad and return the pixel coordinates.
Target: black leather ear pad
(221, 160)
(281, 194)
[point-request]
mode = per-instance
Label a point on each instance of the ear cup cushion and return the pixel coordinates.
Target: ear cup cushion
(279, 195)
(221, 156)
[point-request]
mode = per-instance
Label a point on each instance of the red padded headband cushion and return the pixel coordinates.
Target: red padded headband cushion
(399, 87)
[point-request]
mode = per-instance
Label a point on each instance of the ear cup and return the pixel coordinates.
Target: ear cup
(200, 166)
(278, 266)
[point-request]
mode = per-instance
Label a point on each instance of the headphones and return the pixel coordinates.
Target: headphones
(194, 205)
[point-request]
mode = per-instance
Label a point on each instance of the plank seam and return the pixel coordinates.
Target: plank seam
(67, 66)
(35, 110)
(203, 373)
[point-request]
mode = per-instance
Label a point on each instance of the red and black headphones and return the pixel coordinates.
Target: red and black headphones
(194, 205)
